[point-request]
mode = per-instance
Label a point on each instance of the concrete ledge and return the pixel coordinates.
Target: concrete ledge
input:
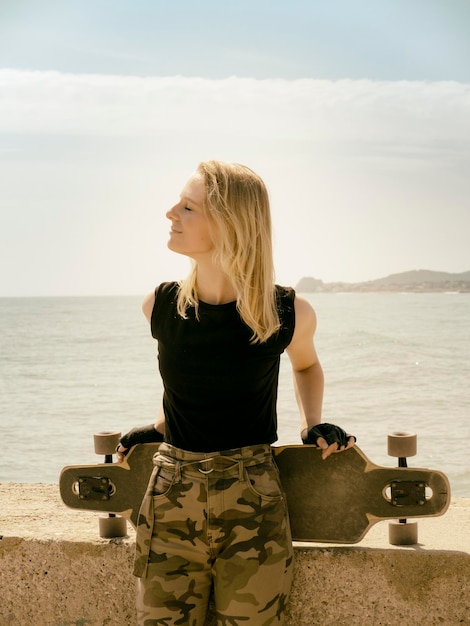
(56, 571)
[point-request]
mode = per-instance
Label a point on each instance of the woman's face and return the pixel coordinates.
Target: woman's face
(190, 227)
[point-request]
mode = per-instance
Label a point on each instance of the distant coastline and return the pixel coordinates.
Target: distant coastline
(414, 281)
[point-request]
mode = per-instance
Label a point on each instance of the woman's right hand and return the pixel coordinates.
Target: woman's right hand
(141, 434)
(121, 453)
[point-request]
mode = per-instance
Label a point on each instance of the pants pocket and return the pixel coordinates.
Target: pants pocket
(263, 481)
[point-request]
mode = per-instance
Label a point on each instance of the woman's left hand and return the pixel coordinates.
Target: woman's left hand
(329, 437)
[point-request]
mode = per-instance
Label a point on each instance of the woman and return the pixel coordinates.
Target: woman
(214, 517)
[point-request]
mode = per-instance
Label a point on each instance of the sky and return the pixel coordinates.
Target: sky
(356, 115)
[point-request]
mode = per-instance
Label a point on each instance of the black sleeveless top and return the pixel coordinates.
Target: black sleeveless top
(220, 391)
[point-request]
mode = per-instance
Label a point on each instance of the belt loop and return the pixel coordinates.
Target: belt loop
(178, 471)
(240, 470)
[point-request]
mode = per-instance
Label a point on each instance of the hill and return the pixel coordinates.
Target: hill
(421, 281)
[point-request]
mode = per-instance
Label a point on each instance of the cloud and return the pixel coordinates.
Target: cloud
(366, 178)
(323, 111)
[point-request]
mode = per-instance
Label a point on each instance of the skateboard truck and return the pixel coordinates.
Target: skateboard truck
(91, 488)
(94, 488)
(403, 532)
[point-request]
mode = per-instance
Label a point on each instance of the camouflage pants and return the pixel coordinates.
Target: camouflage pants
(213, 523)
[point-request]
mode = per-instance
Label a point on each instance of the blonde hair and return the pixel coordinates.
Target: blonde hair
(237, 204)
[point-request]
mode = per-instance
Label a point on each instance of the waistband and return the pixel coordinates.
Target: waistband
(208, 462)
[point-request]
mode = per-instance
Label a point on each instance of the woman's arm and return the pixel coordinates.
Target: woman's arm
(309, 382)
(152, 432)
(148, 304)
(306, 367)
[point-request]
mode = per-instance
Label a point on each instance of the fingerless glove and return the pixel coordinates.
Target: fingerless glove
(141, 434)
(329, 432)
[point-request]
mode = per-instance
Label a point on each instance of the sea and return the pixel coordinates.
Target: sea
(73, 366)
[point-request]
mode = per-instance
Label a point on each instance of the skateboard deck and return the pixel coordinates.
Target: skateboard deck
(336, 500)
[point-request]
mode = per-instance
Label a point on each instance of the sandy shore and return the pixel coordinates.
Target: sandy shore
(36, 511)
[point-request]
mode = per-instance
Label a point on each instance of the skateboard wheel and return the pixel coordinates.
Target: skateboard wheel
(402, 444)
(112, 526)
(106, 442)
(403, 534)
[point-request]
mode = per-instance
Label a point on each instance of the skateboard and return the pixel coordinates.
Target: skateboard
(336, 500)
